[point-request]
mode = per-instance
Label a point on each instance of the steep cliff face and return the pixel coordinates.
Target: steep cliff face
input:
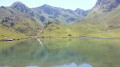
(107, 5)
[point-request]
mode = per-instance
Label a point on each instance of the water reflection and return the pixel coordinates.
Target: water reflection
(75, 65)
(32, 66)
(60, 53)
(40, 42)
(4, 66)
(85, 65)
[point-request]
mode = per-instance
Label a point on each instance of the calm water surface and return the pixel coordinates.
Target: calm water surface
(60, 53)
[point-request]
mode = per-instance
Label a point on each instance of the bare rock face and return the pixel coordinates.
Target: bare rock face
(107, 5)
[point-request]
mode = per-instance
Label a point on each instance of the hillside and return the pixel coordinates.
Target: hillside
(76, 30)
(107, 5)
(101, 22)
(60, 15)
(22, 23)
(21, 19)
(5, 11)
(20, 7)
(6, 33)
(108, 16)
(24, 20)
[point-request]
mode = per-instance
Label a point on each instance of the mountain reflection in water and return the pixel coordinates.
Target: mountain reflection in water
(60, 53)
(75, 65)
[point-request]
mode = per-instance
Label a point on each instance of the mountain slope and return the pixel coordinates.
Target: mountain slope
(20, 7)
(22, 22)
(6, 33)
(107, 5)
(101, 22)
(104, 13)
(18, 17)
(4, 12)
(60, 15)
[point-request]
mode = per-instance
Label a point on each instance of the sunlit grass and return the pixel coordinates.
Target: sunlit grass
(6, 33)
(79, 30)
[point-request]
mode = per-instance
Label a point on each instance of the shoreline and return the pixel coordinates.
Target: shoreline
(9, 40)
(75, 38)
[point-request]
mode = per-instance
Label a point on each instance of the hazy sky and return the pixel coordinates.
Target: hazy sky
(67, 4)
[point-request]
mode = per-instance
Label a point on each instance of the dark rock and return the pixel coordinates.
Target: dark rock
(69, 35)
(42, 18)
(69, 39)
(42, 37)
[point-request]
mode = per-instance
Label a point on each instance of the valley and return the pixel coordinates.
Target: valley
(50, 36)
(102, 21)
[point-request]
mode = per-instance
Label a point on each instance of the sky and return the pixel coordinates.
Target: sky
(67, 4)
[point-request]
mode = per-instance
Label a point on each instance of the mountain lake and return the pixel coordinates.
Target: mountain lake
(60, 53)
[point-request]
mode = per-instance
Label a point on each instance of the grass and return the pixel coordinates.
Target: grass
(23, 23)
(27, 27)
(79, 30)
(6, 33)
(97, 24)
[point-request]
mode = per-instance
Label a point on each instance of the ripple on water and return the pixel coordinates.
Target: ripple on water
(75, 65)
(32, 66)
(4, 66)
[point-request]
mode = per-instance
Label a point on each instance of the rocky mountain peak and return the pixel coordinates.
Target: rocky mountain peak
(20, 7)
(17, 3)
(45, 5)
(79, 11)
(107, 5)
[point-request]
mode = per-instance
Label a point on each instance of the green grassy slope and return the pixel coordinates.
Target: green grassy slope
(22, 23)
(98, 23)
(21, 18)
(18, 22)
(55, 30)
(6, 33)
(102, 21)
(79, 30)
(97, 16)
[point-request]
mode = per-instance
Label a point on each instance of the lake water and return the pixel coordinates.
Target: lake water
(60, 53)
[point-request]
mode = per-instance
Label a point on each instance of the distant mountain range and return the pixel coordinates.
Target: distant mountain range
(24, 19)
(50, 13)
(102, 19)
(60, 15)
